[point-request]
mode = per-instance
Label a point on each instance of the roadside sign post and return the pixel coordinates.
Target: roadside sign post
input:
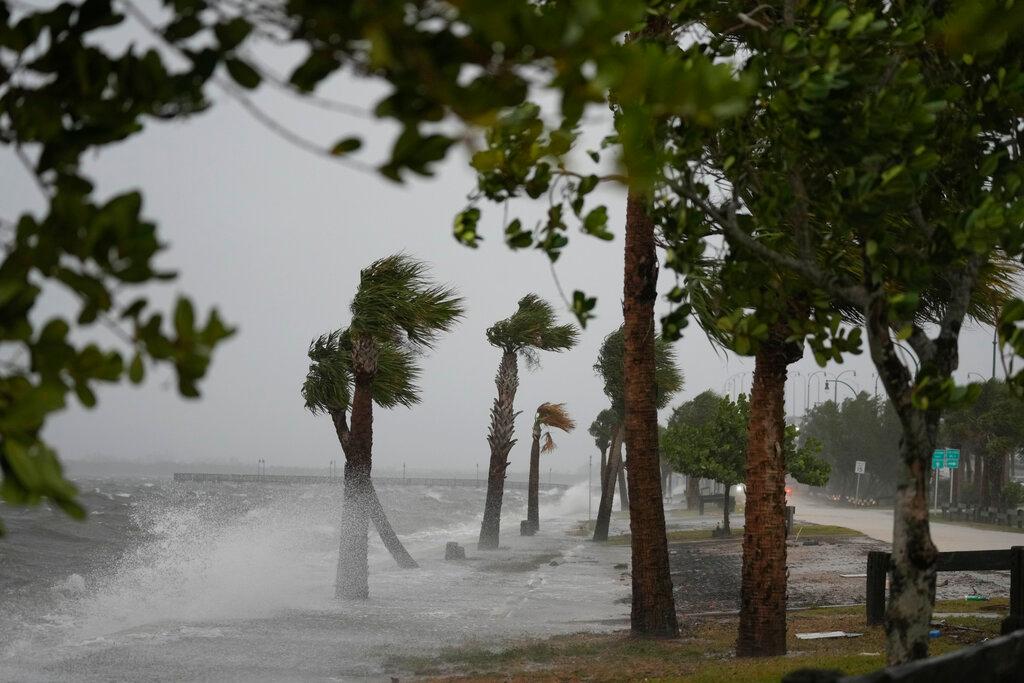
(858, 468)
(948, 458)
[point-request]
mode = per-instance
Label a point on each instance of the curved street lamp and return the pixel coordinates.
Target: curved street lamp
(835, 397)
(807, 390)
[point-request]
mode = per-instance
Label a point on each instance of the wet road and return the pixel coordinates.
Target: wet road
(877, 524)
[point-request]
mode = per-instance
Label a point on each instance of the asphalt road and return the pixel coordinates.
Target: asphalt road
(878, 524)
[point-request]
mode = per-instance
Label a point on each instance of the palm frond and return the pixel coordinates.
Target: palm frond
(329, 381)
(603, 428)
(533, 327)
(328, 384)
(555, 416)
(549, 443)
(610, 367)
(397, 301)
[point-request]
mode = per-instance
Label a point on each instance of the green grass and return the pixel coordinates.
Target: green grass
(703, 653)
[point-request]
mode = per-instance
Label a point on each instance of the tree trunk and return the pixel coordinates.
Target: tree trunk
(653, 611)
(692, 492)
(604, 508)
(725, 511)
(387, 534)
(376, 510)
(762, 631)
(352, 578)
(623, 490)
(503, 418)
(533, 495)
(912, 586)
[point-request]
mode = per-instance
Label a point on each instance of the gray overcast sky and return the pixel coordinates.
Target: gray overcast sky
(275, 237)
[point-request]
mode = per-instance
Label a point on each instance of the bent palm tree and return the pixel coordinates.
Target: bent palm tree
(603, 430)
(397, 312)
(548, 416)
(328, 390)
(530, 329)
(610, 366)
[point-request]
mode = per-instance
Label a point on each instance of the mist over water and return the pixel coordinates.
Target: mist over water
(236, 582)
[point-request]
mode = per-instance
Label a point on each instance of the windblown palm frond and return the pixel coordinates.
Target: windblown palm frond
(610, 367)
(552, 416)
(549, 443)
(555, 416)
(329, 381)
(533, 327)
(397, 301)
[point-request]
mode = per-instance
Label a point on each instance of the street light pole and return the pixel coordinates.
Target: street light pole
(807, 389)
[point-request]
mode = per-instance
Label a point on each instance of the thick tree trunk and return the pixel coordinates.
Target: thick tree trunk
(653, 611)
(623, 489)
(912, 585)
(604, 508)
(503, 418)
(375, 509)
(352, 580)
(533, 495)
(604, 464)
(762, 631)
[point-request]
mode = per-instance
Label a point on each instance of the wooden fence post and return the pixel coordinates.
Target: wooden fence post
(874, 595)
(1015, 619)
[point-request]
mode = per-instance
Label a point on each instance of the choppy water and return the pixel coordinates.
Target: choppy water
(235, 582)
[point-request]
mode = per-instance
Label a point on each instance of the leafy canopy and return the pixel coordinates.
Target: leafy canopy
(533, 327)
(398, 303)
(706, 437)
(610, 367)
(603, 428)
(330, 382)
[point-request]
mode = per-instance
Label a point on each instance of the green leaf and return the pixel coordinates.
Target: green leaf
(137, 370)
(242, 74)
(184, 318)
(346, 146)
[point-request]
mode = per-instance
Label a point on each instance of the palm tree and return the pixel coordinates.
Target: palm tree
(610, 366)
(603, 429)
(548, 416)
(328, 391)
(530, 329)
(397, 313)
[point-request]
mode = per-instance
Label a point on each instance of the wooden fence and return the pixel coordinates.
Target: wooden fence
(969, 560)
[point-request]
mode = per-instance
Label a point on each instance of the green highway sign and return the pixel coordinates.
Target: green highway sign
(946, 457)
(952, 458)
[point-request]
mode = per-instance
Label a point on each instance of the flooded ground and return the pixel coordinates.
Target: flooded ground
(235, 582)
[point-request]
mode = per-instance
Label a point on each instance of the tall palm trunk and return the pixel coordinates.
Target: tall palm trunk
(533, 495)
(653, 610)
(762, 631)
(375, 509)
(352, 580)
(499, 437)
(623, 489)
(608, 475)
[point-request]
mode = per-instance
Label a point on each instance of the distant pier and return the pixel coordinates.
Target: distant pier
(379, 481)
